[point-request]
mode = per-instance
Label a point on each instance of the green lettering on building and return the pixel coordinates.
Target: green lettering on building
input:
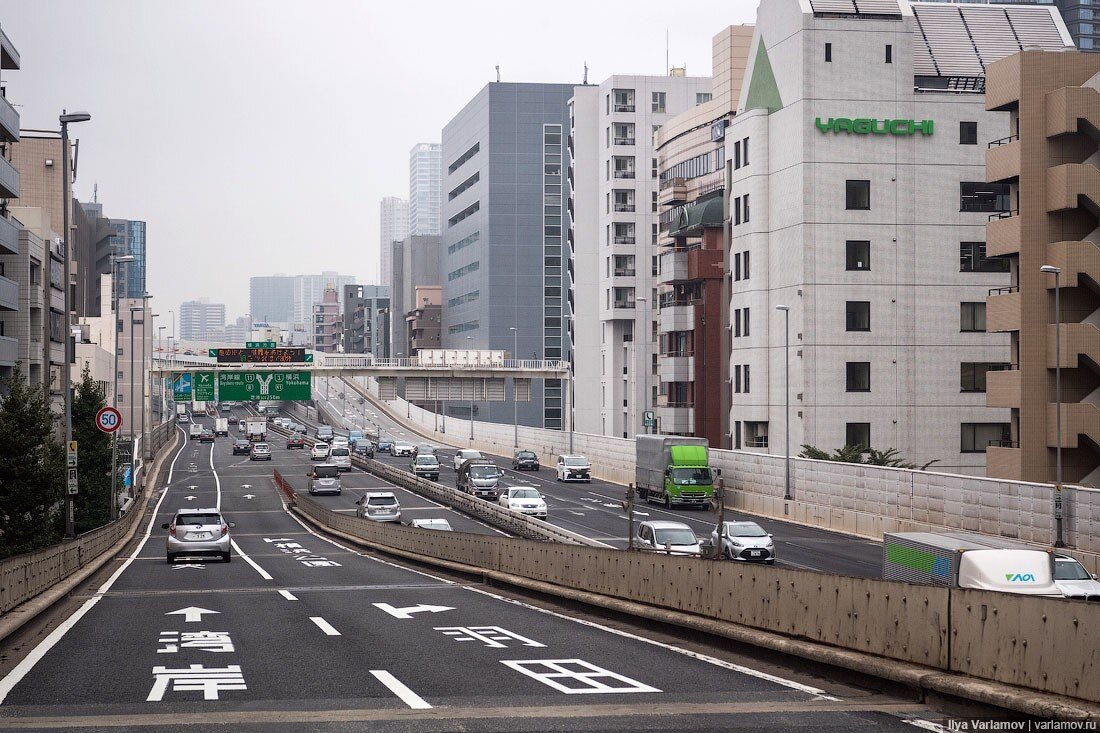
(870, 125)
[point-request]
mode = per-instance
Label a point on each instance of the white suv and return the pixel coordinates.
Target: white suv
(574, 468)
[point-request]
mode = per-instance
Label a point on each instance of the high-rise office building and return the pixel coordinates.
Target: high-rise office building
(425, 184)
(271, 298)
(613, 197)
(504, 222)
(394, 219)
(199, 319)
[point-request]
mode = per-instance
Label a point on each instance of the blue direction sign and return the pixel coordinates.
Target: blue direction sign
(181, 387)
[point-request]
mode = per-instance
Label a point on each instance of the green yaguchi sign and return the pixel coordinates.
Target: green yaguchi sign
(872, 126)
(246, 386)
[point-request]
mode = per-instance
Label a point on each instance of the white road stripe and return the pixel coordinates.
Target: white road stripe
(398, 688)
(27, 664)
(217, 481)
(288, 595)
(324, 626)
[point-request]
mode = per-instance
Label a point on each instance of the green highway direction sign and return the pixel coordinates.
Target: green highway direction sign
(250, 386)
(260, 344)
(203, 386)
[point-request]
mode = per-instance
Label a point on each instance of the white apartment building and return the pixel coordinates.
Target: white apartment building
(200, 319)
(425, 188)
(857, 197)
(613, 232)
(394, 227)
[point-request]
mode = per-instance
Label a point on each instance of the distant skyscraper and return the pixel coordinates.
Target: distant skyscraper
(199, 319)
(271, 299)
(395, 227)
(425, 183)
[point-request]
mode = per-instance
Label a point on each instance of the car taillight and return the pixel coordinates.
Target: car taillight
(172, 530)
(225, 529)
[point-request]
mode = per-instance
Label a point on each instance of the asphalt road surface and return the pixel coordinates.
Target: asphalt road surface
(595, 509)
(299, 632)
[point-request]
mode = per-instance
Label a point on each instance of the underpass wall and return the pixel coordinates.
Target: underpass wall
(856, 499)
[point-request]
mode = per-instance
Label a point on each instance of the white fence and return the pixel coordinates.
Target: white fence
(857, 499)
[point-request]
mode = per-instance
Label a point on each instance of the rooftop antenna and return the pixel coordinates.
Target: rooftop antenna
(498, 72)
(95, 193)
(585, 81)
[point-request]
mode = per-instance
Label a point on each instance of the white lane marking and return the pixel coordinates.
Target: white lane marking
(686, 652)
(288, 595)
(263, 573)
(324, 626)
(27, 664)
(398, 688)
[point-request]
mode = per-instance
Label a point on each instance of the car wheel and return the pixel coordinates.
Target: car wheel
(668, 501)
(770, 562)
(728, 553)
(226, 557)
(171, 558)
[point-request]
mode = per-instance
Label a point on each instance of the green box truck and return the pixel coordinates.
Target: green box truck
(673, 470)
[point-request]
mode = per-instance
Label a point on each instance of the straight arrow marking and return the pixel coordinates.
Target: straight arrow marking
(191, 613)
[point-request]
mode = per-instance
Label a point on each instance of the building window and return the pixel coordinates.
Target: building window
(972, 374)
(889, 54)
(624, 100)
(857, 195)
(736, 266)
(737, 323)
(736, 154)
(972, 259)
(745, 320)
(983, 197)
(741, 209)
(857, 315)
(745, 265)
(857, 376)
(702, 97)
(978, 436)
(658, 102)
(968, 133)
(857, 254)
(857, 433)
(972, 317)
(745, 377)
(1085, 44)
(828, 52)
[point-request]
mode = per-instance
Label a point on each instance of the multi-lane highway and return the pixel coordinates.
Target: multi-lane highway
(596, 511)
(300, 632)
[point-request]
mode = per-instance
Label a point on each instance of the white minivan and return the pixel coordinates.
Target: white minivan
(341, 456)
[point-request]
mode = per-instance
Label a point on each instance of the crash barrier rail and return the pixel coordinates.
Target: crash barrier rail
(23, 577)
(493, 514)
(1043, 644)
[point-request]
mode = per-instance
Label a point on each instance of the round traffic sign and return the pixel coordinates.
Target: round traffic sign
(108, 419)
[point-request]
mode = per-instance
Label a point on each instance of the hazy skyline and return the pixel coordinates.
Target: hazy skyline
(257, 138)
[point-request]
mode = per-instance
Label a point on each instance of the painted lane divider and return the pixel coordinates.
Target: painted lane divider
(288, 595)
(399, 688)
(324, 626)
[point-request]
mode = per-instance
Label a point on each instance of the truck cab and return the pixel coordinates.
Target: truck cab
(480, 478)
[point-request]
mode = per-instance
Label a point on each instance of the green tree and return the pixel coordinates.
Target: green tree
(92, 507)
(862, 454)
(32, 464)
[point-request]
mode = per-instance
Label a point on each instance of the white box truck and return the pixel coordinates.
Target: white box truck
(221, 426)
(968, 560)
(255, 429)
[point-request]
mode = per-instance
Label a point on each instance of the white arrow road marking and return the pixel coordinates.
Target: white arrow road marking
(409, 610)
(186, 565)
(191, 613)
(324, 626)
(192, 487)
(250, 496)
(246, 486)
(190, 498)
(398, 688)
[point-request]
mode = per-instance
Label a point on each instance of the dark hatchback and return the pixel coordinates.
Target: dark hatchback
(242, 447)
(525, 460)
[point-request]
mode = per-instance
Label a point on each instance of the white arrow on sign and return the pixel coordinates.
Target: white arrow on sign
(409, 610)
(250, 496)
(191, 613)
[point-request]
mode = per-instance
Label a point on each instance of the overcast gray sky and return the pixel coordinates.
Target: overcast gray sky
(257, 136)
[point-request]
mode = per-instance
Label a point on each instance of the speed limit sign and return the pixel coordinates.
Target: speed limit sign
(108, 419)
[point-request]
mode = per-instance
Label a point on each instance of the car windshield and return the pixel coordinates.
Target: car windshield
(745, 530)
(194, 520)
(691, 476)
(1070, 571)
(426, 461)
(525, 455)
(326, 471)
(676, 537)
(525, 494)
(469, 454)
(483, 471)
(381, 501)
(576, 462)
(340, 452)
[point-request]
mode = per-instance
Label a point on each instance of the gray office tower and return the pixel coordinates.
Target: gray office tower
(271, 298)
(504, 254)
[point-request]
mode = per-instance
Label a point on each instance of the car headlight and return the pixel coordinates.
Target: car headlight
(769, 545)
(735, 543)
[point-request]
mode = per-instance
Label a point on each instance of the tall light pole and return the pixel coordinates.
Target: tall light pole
(1057, 271)
(787, 390)
(133, 446)
(515, 402)
(116, 289)
(469, 344)
(645, 359)
(66, 376)
(160, 347)
(146, 385)
(172, 337)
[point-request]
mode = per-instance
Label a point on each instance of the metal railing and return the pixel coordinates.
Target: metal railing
(624, 174)
(1006, 214)
(624, 141)
(628, 304)
(624, 207)
(1005, 290)
(624, 272)
(623, 239)
(623, 107)
(1004, 141)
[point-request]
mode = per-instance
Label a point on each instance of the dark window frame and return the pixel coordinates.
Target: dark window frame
(857, 194)
(857, 376)
(852, 257)
(852, 316)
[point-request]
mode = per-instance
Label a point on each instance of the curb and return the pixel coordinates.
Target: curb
(21, 615)
(924, 679)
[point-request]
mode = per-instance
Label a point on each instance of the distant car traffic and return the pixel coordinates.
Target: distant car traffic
(385, 445)
(364, 448)
(260, 452)
(464, 455)
(1074, 580)
(424, 449)
(325, 433)
(573, 468)
(381, 506)
(340, 454)
(296, 441)
(673, 537)
(241, 447)
(401, 448)
(324, 478)
(183, 418)
(318, 452)
(744, 541)
(425, 466)
(232, 420)
(525, 460)
(207, 436)
(439, 524)
(525, 501)
(197, 532)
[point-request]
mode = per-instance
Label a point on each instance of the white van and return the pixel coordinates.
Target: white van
(341, 456)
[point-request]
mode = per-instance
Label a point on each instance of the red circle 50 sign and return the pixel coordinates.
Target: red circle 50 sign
(108, 419)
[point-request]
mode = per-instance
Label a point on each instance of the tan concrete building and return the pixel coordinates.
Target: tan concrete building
(1052, 164)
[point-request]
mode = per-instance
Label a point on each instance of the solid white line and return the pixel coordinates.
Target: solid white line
(324, 626)
(288, 595)
(27, 664)
(217, 481)
(263, 573)
(398, 688)
(686, 652)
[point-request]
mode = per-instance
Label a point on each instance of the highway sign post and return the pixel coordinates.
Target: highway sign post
(203, 387)
(251, 386)
(108, 419)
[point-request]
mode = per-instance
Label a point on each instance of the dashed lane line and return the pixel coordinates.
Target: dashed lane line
(324, 626)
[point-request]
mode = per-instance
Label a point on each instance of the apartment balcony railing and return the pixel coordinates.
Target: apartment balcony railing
(9, 237)
(623, 107)
(628, 304)
(624, 272)
(624, 141)
(760, 441)
(624, 174)
(623, 239)
(623, 207)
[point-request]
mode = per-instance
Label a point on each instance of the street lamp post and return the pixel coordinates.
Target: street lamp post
(66, 376)
(163, 400)
(116, 288)
(146, 386)
(787, 390)
(1056, 271)
(515, 402)
(645, 360)
(133, 446)
(469, 343)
